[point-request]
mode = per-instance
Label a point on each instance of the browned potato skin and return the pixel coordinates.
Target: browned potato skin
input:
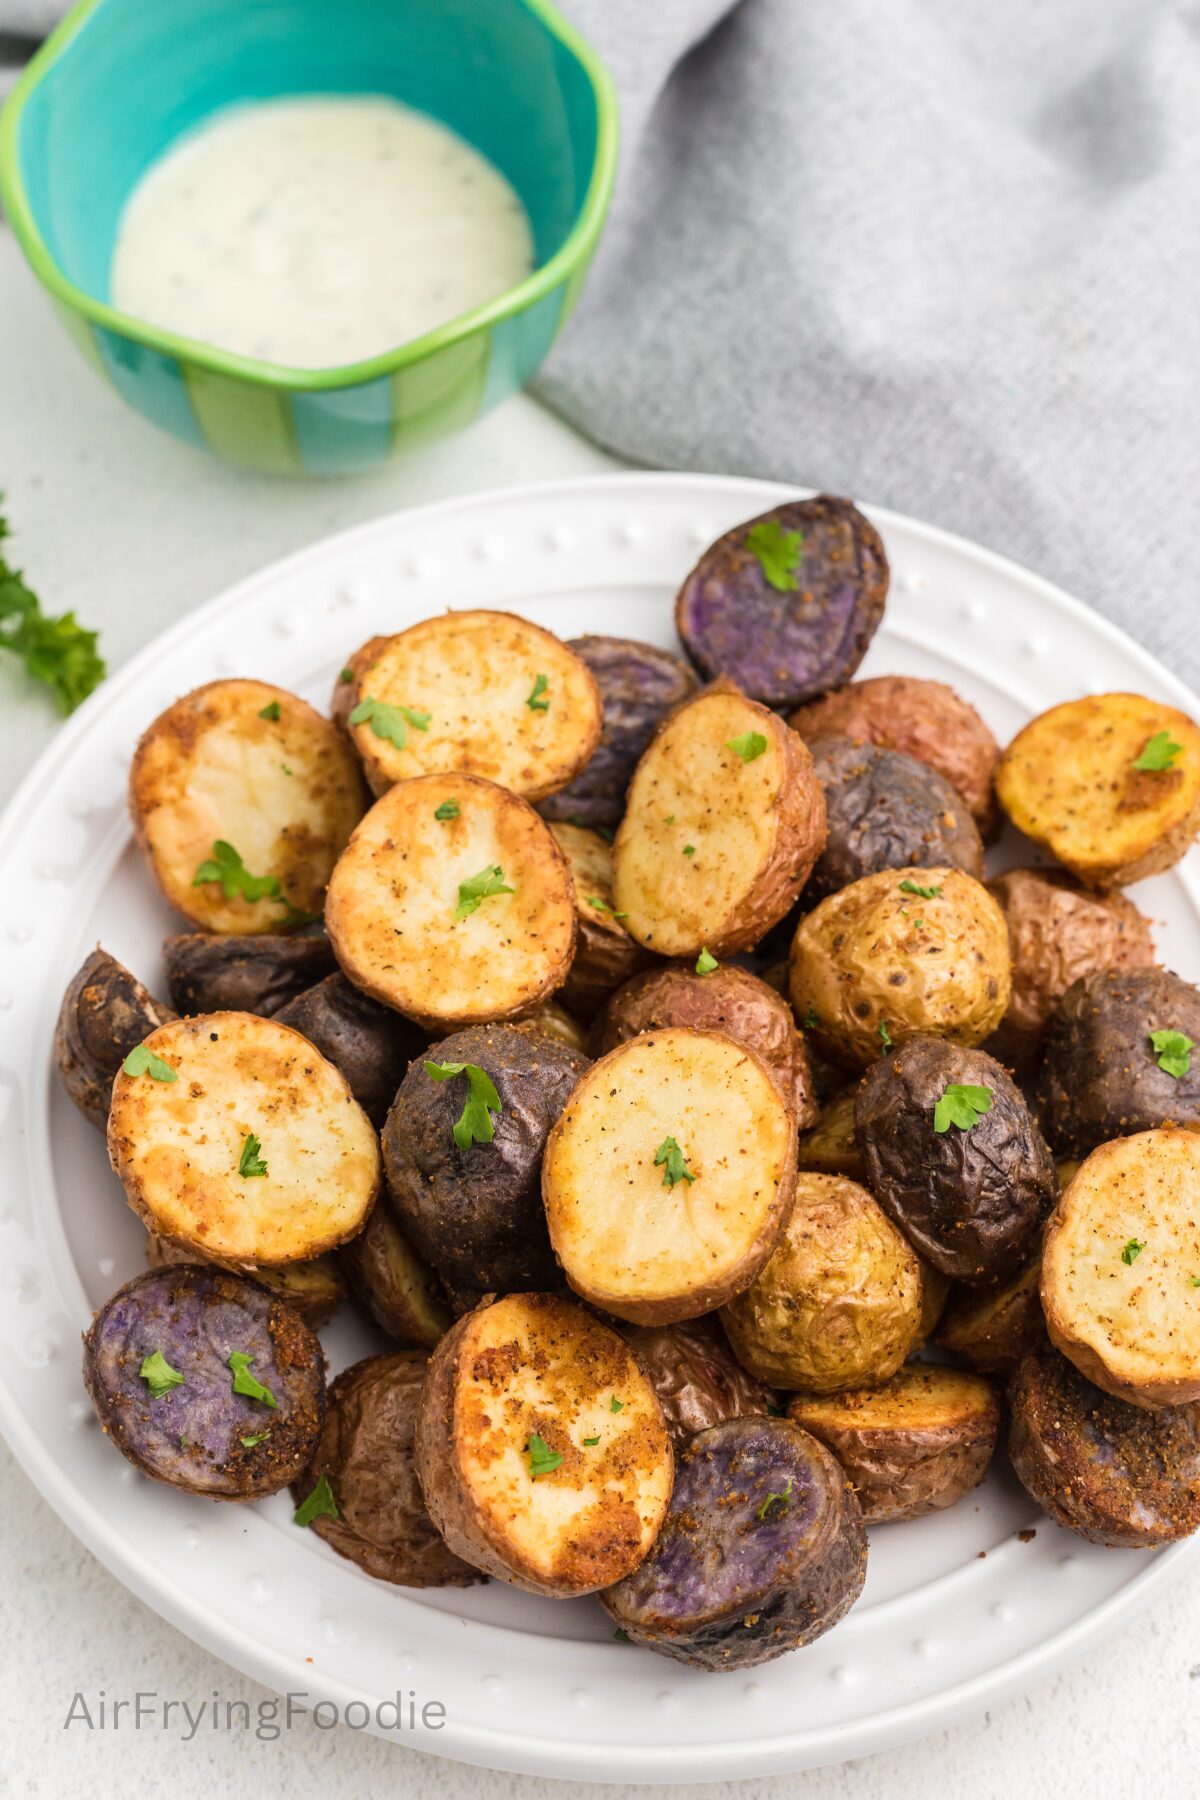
(314, 1289)
(105, 1013)
(831, 1147)
(207, 972)
(554, 1021)
(729, 999)
(991, 1329)
(605, 954)
(914, 1446)
(696, 1376)
(365, 1452)
(1058, 930)
(923, 719)
(368, 1042)
(395, 1285)
(885, 810)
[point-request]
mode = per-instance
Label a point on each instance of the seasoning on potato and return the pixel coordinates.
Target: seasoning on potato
(105, 1013)
(669, 1175)
(541, 1448)
(886, 811)
(605, 954)
(831, 1148)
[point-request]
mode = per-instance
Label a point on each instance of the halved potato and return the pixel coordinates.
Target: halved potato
(724, 820)
(248, 781)
(315, 1288)
(541, 1447)
(396, 908)
(554, 1021)
(486, 693)
(605, 954)
(668, 1177)
(247, 1091)
(1121, 1268)
(830, 1147)
(394, 1284)
(1070, 782)
(992, 1328)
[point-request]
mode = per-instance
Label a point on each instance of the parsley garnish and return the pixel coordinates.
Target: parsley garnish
(621, 1636)
(142, 1061)
(669, 1157)
(603, 906)
(749, 746)
(58, 651)
(449, 809)
(389, 722)
(346, 676)
(260, 1437)
(1132, 1251)
(226, 866)
(689, 849)
(244, 1382)
(250, 1162)
(319, 1505)
(542, 1459)
(158, 1375)
(474, 1122)
(811, 1021)
(616, 1405)
(778, 552)
(783, 1499)
(592, 1440)
(270, 711)
(923, 893)
(963, 1104)
(706, 962)
(1194, 1280)
(484, 886)
(1174, 1051)
(1158, 753)
(535, 703)
(885, 1036)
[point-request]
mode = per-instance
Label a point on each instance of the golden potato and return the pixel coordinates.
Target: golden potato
(830, 1147)
(605, 954)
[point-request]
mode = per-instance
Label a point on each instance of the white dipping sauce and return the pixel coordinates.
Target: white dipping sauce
(314, 232)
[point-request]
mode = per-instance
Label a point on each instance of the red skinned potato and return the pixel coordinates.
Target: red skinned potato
(696, 1376)
(786, 604)
(105, 1013)
(886, 811)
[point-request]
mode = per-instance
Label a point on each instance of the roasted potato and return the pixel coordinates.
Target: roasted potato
(475, 1214)
(886, 811)
(541, 1448)
(474, 693)
(394, 1284)
(839, 1304)
(669, 1175)
(831, 1147)
(898, 955)
(1057, 932)
(554, 1021)
(639, 684)
(345, 695)
(727, 999)
(105, 1013)
(1118, 1059)
(249, 1149)
(365, 1453)
(922, 719)
(992, 1328)
(762, 1551)
(1109, 785)
(1116, 1474)
(697, 1379)
(787, 603)
(724, 821)
(1120, 1278)
(935, 1291)
(456, 920)
(242, 798)
(605, 954)
(369, 1043)
(913, 1446)
(969, 1189)
(313, 1289)
(161, 1366)
(211, 973)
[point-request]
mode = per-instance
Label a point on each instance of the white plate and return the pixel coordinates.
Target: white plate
(958, 1610)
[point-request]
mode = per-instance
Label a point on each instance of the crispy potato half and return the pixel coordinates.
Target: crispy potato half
(541, 1447)
(249, 783)
(1121, 1268)
(913, 1446)
(669, 1175)
(724, 820)
(255, 1153)
(484, 693)
(1110, 785)
(453, 903)
(605, 954)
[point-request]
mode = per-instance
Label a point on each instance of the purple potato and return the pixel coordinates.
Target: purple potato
(369, 1043)
(105, 1013)
(763, 1549)
(786, 644)
(639, 684)
(194, 1436)
(696, 1376)
(886, 811)
(207, 972)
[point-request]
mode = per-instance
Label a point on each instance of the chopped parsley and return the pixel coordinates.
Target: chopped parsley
(962, 1104)
(689, 849)
(57, 651)
(592, 1440)
(670, 1159)
(811, 1021)
(226, 866)
(474, 1122)
(621, 1636)
(142, 1061)
(270, 711)
(260, 1437)
(319, 1505)
(706, 962)
(1173, 1050)
(449, 809)
(389, 722)
(778, 553)
(777, 1499)
(473, 892)
(885, 1036)
(616, 1405)
(535, 703)
(250, 1162)
(603, 906)
(542, 1459)
(346, 676)
(1158, 753)
(749, 746)
(244, 1382)
(1132, 1251)
(158, 1375)
(923, 893)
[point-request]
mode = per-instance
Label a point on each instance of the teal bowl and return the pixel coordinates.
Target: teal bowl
(120, 80)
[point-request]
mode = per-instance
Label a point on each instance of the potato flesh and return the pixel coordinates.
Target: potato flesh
(394, 893)
(590, 861)
(923, 1397)
(647, 1251)
(474, 673)
(285, 793)
(177, 1146)
(1131, 1326)
(1068, 782)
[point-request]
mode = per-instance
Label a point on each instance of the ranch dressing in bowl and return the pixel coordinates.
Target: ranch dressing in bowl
(315, 232)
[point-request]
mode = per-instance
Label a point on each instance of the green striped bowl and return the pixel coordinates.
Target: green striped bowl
(122, 79)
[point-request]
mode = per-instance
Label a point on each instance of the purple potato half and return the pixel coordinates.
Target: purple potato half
(762, 1551)
(199, 1434)
(807, 632)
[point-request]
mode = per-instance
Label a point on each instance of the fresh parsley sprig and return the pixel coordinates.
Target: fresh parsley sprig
(778, 553)
(389, 722)
(244, 1382)
(142, 1061)
(478, 888)
(1157, 753)
(319, 1505)
(58, 652)
(474, 1122)
(750, 746)
(250, 1162)
(962, 1104)
(225, 865)
(1174, 1052)
(671, 1160)
(158, 1375)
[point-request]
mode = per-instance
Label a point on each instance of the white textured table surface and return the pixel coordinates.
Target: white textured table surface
(132, 530)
